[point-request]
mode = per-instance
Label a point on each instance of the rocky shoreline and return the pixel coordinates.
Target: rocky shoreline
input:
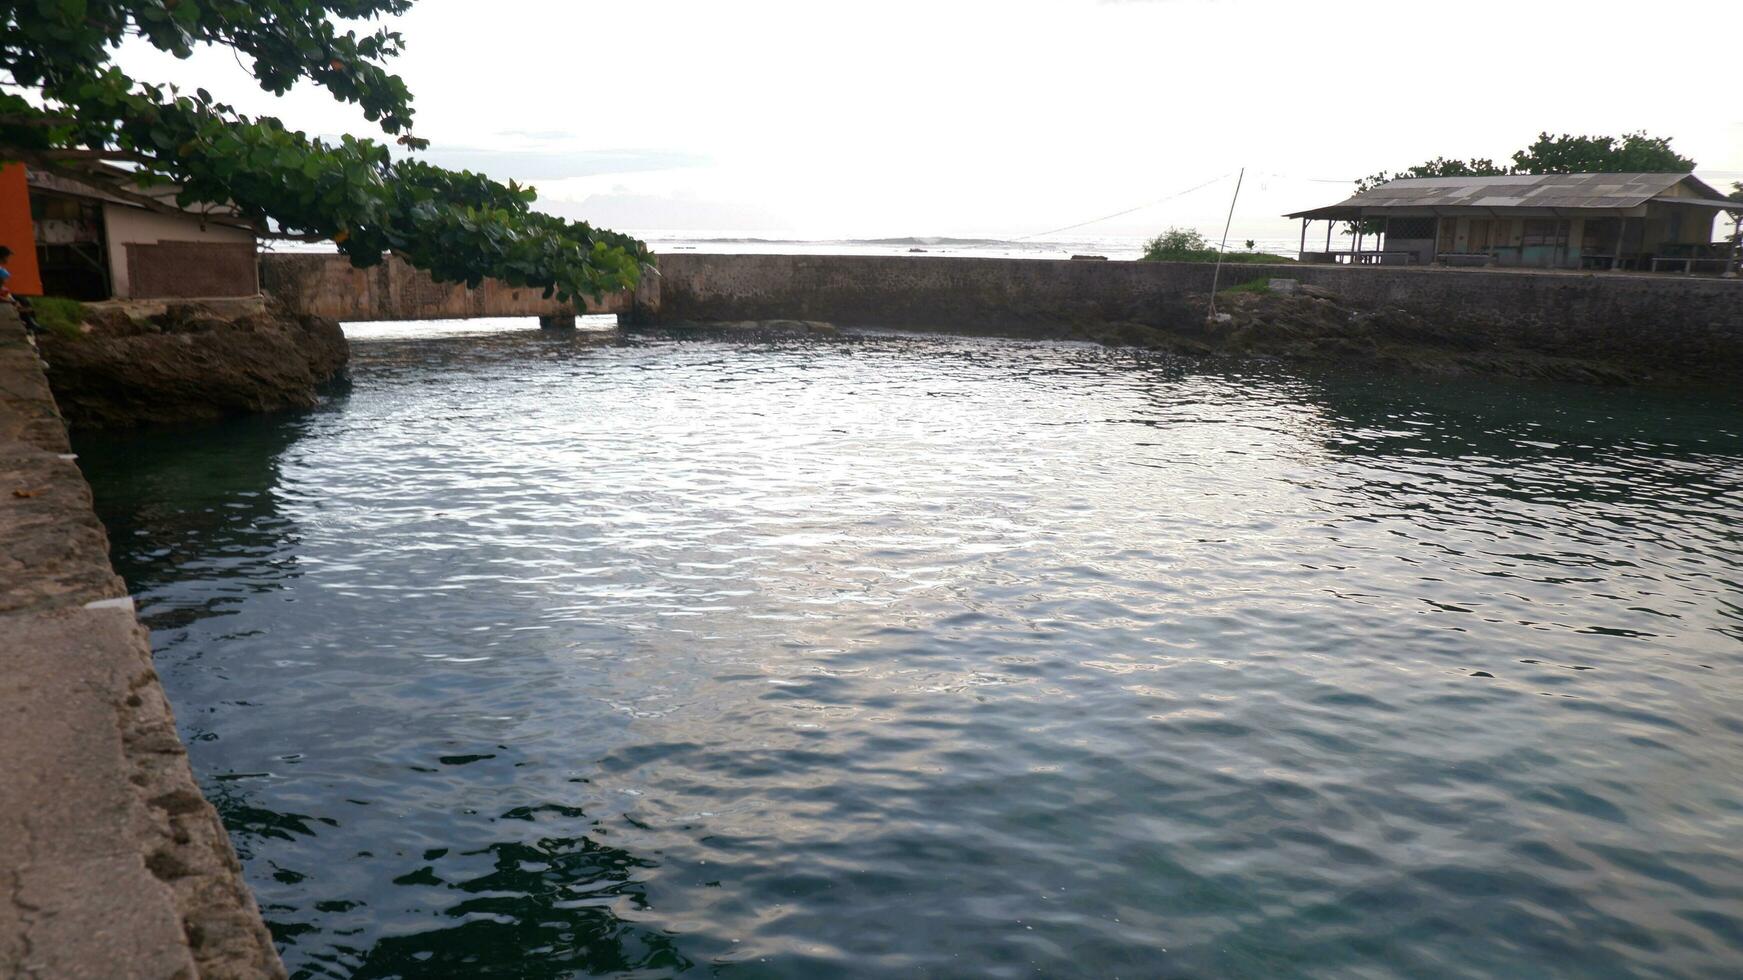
(1315, 325)
(1306, 325)
(129, 367)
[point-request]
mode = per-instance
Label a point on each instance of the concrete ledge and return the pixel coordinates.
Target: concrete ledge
(112, 863)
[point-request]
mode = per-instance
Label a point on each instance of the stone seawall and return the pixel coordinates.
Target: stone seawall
(1664, 323)
(112, 862)
(330, 286)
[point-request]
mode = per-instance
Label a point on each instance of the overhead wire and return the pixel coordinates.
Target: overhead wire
(1117, 214)
(1177, 194)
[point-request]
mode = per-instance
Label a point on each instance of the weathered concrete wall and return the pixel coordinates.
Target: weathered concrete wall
(1692, 325)
(111, 862)
(330, 286)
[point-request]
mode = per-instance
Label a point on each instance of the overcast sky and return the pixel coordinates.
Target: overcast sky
(1011, 117)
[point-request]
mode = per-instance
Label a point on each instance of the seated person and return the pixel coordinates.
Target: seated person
(25, 313)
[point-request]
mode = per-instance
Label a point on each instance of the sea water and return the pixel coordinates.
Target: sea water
(540, 655)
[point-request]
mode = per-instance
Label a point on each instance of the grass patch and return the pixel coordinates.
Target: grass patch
(1260, 286)
(1209, 255)
(1239, 257)
(61, 317)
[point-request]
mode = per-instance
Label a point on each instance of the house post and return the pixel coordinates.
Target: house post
(1303, 251)
(1621, 233)
(1733, 267)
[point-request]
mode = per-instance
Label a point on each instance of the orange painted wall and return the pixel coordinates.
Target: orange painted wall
(16, 231)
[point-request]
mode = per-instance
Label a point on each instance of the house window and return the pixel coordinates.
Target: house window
(1545, 231)
(1412, 228)
(1600, 236)
(1480, 235)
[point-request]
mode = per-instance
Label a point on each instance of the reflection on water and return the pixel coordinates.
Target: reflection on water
(538, 655)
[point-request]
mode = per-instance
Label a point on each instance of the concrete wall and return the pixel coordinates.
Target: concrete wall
(113, 863)
(1691, 325)
(330, 286)
(124, 226)
(17, 232)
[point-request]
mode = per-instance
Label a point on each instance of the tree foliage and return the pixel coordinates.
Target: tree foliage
(1565, 154)
(1438, 167)
(1632, 153)
(79, 115)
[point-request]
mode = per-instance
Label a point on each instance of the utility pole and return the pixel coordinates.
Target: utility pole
(1217, 274)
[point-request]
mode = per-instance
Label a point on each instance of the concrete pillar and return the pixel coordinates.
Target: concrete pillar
(557, 321)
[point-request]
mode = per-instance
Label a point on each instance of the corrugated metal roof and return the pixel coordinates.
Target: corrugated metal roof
(1610, 191)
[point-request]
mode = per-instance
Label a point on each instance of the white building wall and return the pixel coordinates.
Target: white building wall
(124, 224)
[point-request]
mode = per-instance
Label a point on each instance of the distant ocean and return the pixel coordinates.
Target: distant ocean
(672, 242)
(1113, 246)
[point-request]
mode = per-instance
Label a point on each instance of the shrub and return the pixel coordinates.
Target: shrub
(1186, 245)
(1179, 245)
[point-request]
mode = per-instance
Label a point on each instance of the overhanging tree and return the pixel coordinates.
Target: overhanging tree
(65, 107)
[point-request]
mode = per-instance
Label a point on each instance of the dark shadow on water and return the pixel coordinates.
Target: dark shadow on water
(175, 498)
(528, 907)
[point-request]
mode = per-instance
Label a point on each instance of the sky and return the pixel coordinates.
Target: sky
(1007, 118)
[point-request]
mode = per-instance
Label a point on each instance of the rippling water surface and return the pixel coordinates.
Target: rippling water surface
(541, 656)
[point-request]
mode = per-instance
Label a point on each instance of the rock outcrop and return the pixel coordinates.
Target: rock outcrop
(1312, 324)
(190, 364)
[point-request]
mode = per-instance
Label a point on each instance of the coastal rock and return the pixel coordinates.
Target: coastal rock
(190, 364)
(1310, 324)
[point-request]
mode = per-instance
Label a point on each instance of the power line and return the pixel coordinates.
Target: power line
(1117, 214)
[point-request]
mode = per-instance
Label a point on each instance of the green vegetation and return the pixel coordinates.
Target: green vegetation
(1632, 153)
(1187, 245)
(1260, 286)
(68, 109)
(1179, 245)
(61, 317)
(1565, 154)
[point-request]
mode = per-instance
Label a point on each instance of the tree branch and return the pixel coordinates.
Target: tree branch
(93, 155)
(103, 183)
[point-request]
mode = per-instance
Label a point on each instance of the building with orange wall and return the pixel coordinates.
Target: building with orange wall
(17, 232)
(80, 241)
